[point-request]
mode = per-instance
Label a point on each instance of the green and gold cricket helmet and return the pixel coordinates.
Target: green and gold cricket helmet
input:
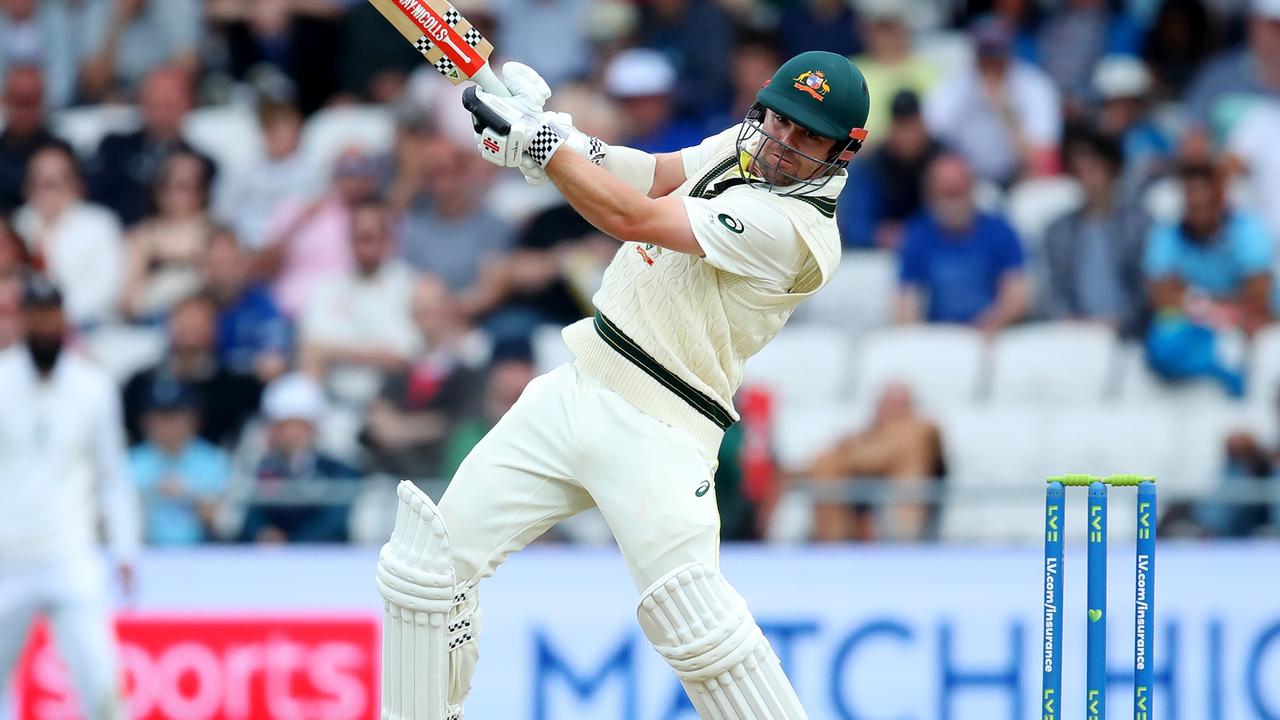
(822, 92)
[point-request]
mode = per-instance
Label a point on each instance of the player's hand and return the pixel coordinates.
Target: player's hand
(528, 90)
(535, 174)
(503, 129)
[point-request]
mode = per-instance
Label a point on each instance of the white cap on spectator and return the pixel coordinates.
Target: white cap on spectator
(1121, 76)
(1269, 9)
(883, 10)
(293, 397)
(639, 72)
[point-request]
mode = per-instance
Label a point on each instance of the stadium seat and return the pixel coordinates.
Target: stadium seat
(995, 458)
(84, 127)
(333, 130)
(549, 350)
(860, 296)
(1032, 205)
(1264, 367)
(801, 431)
(1052, 363)
(802, 364)
(943, 364)
(1137, 384)
(229, 134)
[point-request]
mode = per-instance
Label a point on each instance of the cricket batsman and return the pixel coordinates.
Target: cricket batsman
(720, 244)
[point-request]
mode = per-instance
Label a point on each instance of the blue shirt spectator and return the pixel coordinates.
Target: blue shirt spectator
(959, 265)
(1217, 266)
(254, 336)
(179, 476)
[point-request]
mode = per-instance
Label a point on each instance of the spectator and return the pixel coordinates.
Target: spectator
(357, 326)
(254, 337)
(901, 447)
(10, 312)
(886, 189)
(294, 471)
(1214, 101)
(418, 406)
(890, 64)
(180, 477)
(226, 399)
(1076, 37)
(643, 84)
(510, 370)
(40, 36)
(126, 40)
(374, 63)
(294, 40)
(163, 253)
(1123, 86)
(696, 36)
(253, 197)
(1255, 154)
(1004, 116)
(1179, 40)
(959, 265)
(14, 268)
(755, 59)
(309, 241)
(1250, 466)
(448, 205)
(1024, 17)
(123, 174)
(77, 243)
(550, 35)
(421, 151)
(818, 25)
(24, 132)
(1208, 273)
(1093, 255)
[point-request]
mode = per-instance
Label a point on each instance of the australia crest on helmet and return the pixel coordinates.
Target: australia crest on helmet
(813, 82)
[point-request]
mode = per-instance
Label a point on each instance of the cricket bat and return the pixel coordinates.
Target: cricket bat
(446, 39)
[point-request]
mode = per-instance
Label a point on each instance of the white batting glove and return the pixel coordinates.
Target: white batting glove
(528, 90)
(535, 135)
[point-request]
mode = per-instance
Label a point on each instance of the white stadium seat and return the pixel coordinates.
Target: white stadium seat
(943, 364)
(1137, 384)
(1052, 363)
(859, 296)
(990, 449)
(801, 431)
(84, 127)
(333, 130)
(1264, 366)
(1032, 205)
(802, 364)
(549, 350)
(228, 134)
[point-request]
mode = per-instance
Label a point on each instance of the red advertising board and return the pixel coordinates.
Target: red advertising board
(223, 667)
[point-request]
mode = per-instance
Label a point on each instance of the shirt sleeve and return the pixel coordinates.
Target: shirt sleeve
(697, 156)
(743, 236)
(1252, 245)
(1160, 258)
(1008, 250)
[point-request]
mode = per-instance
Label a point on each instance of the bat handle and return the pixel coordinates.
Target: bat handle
(486, 78)
(482, 115)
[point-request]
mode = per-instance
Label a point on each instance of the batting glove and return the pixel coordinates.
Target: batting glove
(507, 133)
(528, 90)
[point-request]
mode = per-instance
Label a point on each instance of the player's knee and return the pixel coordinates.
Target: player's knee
(698, 622)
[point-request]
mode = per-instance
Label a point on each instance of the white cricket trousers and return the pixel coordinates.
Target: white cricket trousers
(70, 594)
(570, 443)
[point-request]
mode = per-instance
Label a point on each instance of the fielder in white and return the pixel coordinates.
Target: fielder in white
(721, 242)
(62, 468)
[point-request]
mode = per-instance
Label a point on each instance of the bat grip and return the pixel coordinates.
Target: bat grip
(486, 78)
(483, 115)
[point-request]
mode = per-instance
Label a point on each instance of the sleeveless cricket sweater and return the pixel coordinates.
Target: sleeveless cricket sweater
(672, 333)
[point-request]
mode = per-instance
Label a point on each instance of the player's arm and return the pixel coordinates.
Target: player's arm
(617, 209)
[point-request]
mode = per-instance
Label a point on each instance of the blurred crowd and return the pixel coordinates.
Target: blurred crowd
(284, 329)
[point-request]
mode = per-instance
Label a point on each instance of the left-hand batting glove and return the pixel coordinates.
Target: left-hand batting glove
(507, 133)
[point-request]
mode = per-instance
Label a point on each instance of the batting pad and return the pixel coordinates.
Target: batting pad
(416, 581)
(702, 627)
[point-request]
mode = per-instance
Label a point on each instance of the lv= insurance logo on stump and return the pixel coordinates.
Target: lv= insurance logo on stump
(1096, 617)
